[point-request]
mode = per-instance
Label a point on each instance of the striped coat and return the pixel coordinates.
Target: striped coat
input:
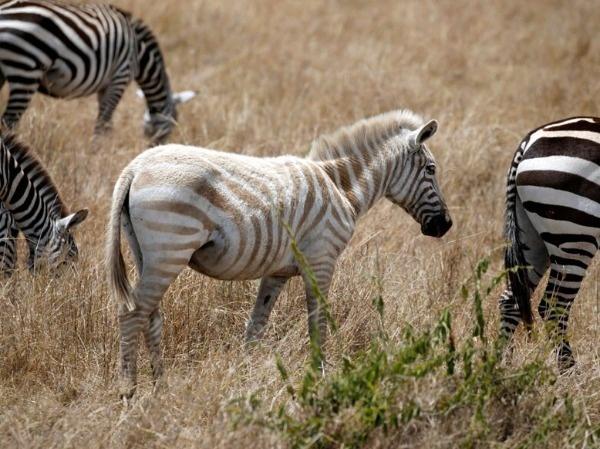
(30, 202)
(225, 215)
(552, 221)
(70, 51)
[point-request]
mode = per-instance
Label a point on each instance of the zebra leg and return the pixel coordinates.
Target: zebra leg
(317, 320)
(156, 277)
(130, 325)
(563, 285)
(537, 260)
(108, 99)
(21, 89)
(152, 334)
(268, 292)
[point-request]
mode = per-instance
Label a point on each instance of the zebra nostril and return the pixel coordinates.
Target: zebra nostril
(437, 226)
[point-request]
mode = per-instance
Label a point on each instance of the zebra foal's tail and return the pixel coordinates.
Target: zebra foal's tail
(514, 258)
(118, 282)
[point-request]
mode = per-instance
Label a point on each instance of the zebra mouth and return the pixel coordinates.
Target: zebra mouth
(437, 226)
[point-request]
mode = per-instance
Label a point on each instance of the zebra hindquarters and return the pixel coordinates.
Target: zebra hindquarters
(166, 240)
(526, 262)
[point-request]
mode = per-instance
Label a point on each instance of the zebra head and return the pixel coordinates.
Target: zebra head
(414, 185)
(159, 122)
(61, 249)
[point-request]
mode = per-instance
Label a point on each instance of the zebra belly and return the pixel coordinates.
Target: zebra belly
(218, 259)
(57, 83)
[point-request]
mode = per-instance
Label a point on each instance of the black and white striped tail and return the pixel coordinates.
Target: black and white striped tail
(514, 258)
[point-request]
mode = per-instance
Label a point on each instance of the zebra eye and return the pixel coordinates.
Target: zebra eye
(430, 169)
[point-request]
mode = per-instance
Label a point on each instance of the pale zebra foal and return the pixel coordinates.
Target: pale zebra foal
(224, 215)
(30, 202)
(552, 221)
(71, 51)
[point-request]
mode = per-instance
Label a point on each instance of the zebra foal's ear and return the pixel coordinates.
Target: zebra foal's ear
(183, 96)
(72, 220)
(420, 135)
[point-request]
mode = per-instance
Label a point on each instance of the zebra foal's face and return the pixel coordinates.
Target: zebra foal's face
(414, 185)
(62, 249)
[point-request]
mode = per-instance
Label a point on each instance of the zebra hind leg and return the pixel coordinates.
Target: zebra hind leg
(21, 91)
(534, 263)
(268, 292)
(152, 334)
(554, 308)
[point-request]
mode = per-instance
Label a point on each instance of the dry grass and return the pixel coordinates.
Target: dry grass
(272, 76)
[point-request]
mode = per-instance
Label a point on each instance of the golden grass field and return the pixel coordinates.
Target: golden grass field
(272, 76)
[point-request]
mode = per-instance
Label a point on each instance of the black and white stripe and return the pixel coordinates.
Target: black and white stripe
(70, 51)
(8, 240)
(30, 202)
(552, 221)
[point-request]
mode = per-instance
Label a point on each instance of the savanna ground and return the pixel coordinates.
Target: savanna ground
(272, 76)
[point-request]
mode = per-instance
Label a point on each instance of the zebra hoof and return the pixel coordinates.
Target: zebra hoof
(565, 366)
(126, 391)
(566, 361)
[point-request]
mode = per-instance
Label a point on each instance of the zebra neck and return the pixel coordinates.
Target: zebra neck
(28, 198)
(361, 182)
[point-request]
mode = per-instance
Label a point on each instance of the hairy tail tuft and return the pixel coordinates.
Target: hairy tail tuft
(514, 258)
(118, 282)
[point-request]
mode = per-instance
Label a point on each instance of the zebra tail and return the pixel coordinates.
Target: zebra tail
(514, 257)
(115, 264)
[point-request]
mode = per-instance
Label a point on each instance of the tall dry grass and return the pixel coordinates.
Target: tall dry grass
(271, 77)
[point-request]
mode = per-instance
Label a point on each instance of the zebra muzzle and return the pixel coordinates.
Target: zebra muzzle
(437, 226)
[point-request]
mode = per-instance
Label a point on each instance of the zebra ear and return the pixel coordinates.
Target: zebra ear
(420, 135)
(72, 220)
(183, 96)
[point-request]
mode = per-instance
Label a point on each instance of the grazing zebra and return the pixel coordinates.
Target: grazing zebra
(552, 220)
(70, 51)
(30, 202)
(225, 215)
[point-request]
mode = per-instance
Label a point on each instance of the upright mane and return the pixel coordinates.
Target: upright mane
(35, 171)
(363, 135)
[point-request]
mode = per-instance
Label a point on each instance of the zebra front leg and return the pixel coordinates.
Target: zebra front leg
(317, 289)
(108, 99)
(268, 292)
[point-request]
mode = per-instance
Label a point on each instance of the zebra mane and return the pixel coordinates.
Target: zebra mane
(34, 170)
(364, 135)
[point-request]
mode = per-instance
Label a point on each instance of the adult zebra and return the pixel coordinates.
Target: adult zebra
(70, 51)
(552, 220)
(30, 202)
(224, 215)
